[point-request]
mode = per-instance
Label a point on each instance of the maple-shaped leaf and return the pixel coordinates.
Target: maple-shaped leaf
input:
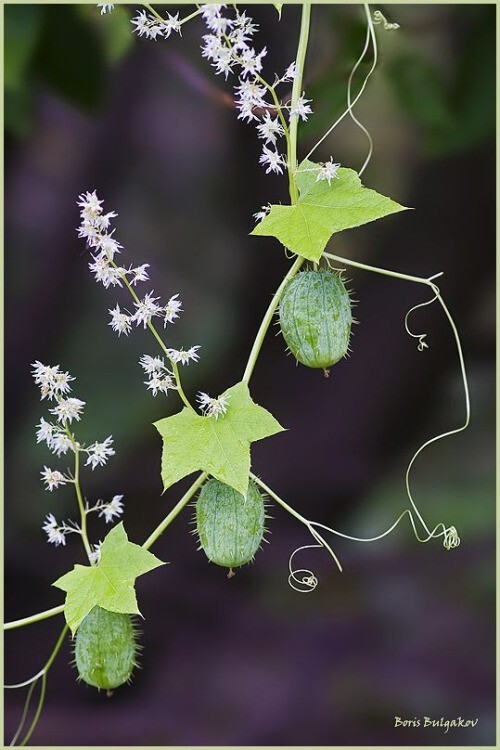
(220, 447)
(322, 210)
(110, 583)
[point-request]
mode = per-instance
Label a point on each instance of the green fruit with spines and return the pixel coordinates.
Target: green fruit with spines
(229, 525)
(106, 649)
(315, 318)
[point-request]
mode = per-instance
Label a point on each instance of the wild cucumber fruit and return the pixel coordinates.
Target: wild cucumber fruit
(105, 649)
(315, 318)
(230, 527)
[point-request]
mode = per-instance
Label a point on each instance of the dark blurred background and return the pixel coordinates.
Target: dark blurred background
(408, 629)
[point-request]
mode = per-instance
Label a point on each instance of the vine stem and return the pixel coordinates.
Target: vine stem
(430, 283)
(297, 88)
(158, 338)
(43, 675)
(309, 524)
(174, 512)
(34, 618)
(79, 496)
(267, 319)
(162, 20)
(292, 167)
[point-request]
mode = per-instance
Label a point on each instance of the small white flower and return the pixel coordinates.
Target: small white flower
(108, 245)
(211, 12)
(56, 534)
(212, 407)
(160, 383)
(105, 7)
(273, 160)
(90, 205)
(302, 108)
(328, 170)
(51, 380)
(172, 309)
(251, 62)
(147, 26)
(112, 509)
(68, 409)
(146, 309)
(152, 365)
(95, 555)
(103, 221)
(270, 129)
(183, 357)
(98, 453)
(52, 478)
(60, 443)
(223, 61)
(249, 95)
(139, 274)
(290, 73)
(120, 322)
(260, 215)
(172, 24)
(105, 272)
(44, 433)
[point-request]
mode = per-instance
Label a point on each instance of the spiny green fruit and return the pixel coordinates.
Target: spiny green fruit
(315, 318)
(230, 527)
(105, 649)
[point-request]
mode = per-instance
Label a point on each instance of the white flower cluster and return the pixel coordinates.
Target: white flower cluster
(212, 407)
(228, 47)
(108, 510)
(54, 384)
(326, 170)
(160, 378)
(150, 26)
(94, 227)
(56, 532)
(105, 7)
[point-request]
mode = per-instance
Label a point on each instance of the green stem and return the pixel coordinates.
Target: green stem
(79, 497)
(174, 512)
(292, 166)
(34, 618)
(297, 88)
(384, 271)
(162, 20)
(158, 338)
(41, 699)
(267, 320)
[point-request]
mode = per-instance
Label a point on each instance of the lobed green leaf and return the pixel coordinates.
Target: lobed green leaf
(323, 210)
(220, 447)
(110, 583)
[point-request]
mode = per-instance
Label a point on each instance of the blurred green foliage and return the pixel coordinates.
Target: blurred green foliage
(453, 111)
(449, 101)
(66, 48)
